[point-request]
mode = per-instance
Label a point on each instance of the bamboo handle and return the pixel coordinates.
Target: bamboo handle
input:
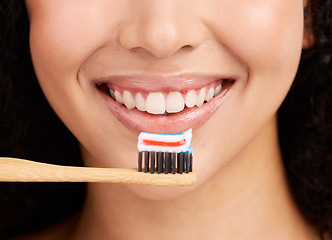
(19, 170)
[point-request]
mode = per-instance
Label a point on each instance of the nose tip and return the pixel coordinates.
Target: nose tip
(161, 33)
(160, 42)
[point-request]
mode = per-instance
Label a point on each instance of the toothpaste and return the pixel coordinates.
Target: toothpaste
(154, 142)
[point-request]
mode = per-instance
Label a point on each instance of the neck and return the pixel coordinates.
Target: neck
(248, 199)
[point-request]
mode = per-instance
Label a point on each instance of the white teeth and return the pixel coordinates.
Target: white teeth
(128, 100)
(155, 103)
(174, 102)
(118, 97)
(140, 102)
(112, 93)
(201, 97)
(218, 89)
(191, 98)
(209, 94)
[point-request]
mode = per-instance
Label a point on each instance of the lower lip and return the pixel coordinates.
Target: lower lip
(138, 121)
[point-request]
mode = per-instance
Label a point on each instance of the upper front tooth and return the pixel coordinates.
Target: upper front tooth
(209, 94)
(155, 103)
(191, 98)
(218, 89)
(201, 97)
(140, 102)
(118, 97)
(128, 100)
(174, 102)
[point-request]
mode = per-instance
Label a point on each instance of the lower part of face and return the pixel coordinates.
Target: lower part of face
(85, 51)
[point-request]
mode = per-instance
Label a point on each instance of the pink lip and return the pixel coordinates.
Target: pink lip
(153, 83)
(138, 121)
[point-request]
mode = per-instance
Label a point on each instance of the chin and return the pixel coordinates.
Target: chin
(161, 192)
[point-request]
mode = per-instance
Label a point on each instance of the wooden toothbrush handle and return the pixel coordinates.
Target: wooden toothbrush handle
(19, 170)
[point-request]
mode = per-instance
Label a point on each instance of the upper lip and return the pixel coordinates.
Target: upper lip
(162, 82)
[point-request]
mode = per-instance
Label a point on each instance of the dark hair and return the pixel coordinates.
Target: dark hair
(30, 129)
(305, 122)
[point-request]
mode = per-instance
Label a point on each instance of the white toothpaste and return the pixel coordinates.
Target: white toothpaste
(154, 142)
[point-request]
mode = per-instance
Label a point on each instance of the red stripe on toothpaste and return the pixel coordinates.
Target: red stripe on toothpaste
(164, 144)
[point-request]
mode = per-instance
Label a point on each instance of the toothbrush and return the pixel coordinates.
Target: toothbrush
(20, 170)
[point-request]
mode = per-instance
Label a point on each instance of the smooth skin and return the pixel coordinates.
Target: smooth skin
(241, 191)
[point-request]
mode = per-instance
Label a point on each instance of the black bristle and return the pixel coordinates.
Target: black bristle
(190, 162)
(146, 161)
(160, 162)
(168, 162)
(186, 161)
(153, 164)
(140, 161)
(174, 163)
(180, 162)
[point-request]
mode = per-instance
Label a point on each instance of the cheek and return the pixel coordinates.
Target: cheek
(63, 34)
(54, 36)
(274, 40)
(265, 34)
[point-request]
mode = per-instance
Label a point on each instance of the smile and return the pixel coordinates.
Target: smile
(164, 104)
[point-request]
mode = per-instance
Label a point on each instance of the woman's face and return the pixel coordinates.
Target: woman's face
(159, 57)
